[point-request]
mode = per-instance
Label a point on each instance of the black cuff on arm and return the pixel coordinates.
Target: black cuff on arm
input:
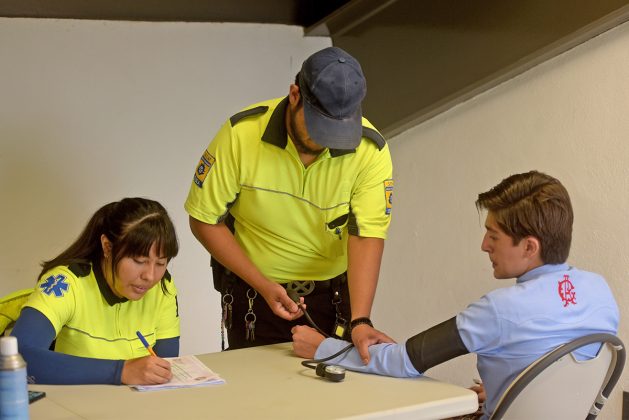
(435, 346)
(167, 347)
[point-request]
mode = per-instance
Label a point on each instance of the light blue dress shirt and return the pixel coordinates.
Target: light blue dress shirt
(510, 327)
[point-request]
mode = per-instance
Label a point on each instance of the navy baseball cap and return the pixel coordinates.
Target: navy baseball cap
(332, 85)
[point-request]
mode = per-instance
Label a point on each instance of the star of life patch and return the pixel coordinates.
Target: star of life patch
(205, 164)
(388, 195)
(55, 285)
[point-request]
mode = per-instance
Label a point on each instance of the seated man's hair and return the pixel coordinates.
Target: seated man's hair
(533, 204)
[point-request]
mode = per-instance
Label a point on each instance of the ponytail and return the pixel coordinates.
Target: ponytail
(87, 247)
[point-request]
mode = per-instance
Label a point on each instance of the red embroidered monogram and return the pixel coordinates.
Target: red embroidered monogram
(566, 291)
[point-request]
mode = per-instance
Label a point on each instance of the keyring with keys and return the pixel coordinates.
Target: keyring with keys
(226, 316)
(250, 317)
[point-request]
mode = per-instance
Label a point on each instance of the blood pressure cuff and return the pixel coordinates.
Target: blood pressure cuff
(435, 345)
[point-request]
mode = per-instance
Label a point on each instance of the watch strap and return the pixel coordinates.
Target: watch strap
(359, 321)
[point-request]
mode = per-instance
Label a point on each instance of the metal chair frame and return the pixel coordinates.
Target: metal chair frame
(537, 368)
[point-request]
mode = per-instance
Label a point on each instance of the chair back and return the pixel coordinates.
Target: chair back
(10, 307)
(557, 386)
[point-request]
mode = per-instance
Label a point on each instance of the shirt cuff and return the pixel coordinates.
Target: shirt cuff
(388, 359)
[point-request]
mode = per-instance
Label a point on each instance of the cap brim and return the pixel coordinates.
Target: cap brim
(331, 132)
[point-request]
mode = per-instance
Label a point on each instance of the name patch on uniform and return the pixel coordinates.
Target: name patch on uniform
(388, 195)
(55, 284)
(566, 291)
(204, 166)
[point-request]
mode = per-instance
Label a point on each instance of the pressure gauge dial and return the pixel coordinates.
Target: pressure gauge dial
(332, 372)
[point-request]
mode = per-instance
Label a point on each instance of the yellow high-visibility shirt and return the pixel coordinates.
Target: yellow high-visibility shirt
(292, 221)
(90, 321)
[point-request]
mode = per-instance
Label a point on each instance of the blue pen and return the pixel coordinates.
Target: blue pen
(146, 343)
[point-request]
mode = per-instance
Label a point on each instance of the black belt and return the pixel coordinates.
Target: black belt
(306, 287)
(224, 279)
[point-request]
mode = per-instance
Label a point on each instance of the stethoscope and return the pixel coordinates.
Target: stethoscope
(333, 373)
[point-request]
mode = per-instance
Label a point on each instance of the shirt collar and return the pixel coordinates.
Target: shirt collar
(541, 270)
(276, 133)
(104, 288)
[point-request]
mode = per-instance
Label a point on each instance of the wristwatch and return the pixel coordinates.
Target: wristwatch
(359, 321)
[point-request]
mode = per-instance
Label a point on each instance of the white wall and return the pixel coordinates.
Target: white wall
(93, 111)
(567, 117)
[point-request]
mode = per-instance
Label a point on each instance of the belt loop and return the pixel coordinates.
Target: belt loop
(340, 329)
(335, 285)
(228, 280)
(223, 278)
(337, 282)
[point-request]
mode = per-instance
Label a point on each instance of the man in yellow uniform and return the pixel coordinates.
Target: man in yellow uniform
(295, 193)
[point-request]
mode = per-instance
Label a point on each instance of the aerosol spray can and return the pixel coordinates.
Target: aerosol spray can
(13, 388)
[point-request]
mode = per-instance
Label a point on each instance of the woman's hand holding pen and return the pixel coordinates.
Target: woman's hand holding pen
(148, 370)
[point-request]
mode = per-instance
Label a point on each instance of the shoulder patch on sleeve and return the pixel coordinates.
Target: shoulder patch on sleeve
(388, 196)
(376, 137)
(56, 285)
(80, 269)
(205, 164)
(234, 119)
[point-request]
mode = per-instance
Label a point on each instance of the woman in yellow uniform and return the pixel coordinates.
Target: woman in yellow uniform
(80, 324)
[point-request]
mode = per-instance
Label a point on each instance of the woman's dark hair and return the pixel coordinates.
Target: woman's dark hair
(132, 225)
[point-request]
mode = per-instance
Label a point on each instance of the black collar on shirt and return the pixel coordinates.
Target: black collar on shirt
(105, 290)
(277, 134)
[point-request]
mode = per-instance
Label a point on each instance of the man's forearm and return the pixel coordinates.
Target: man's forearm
(220, 242)
(364, 258)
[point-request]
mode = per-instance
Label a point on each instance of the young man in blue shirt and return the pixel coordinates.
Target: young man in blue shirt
(528, 236)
